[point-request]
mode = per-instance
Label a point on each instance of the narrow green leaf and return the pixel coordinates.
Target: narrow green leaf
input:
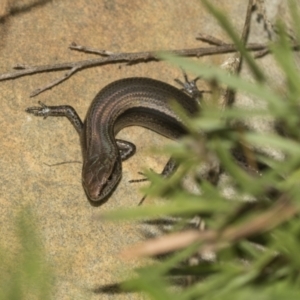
(226, 25)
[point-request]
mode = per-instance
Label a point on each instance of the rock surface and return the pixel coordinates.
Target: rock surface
(83, 249)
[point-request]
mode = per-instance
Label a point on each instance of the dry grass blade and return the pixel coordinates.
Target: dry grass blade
(213, 240)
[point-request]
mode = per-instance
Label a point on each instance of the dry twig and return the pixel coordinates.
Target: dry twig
(110, 57)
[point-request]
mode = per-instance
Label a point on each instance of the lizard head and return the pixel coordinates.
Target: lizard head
(100, 176)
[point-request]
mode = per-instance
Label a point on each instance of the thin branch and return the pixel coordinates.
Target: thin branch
(85, 49)
(63, 163)
(262, 53)
(237, 60)
(135, 57)
(210, 39)
(13, 9)
(55, 82)
(246, 28)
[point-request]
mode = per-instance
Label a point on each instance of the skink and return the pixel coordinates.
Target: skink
(132, 101)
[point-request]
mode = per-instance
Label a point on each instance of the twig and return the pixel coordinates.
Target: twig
(85, 49)
(229, 94)
(23, 70)
(261, 53)
(237, 61)
(246, 28)
(210, 39)
(63, 163)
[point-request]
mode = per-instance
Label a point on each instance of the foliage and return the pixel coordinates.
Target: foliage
(256, 243)
(24, 273)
